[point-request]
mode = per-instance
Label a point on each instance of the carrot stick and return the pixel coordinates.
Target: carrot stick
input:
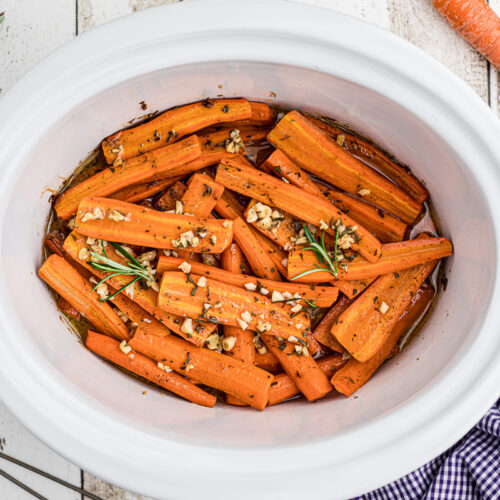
(274, 251)
(394, 258)
(354, 374)
(367, 323)
(262, 115)
(114, 220)
(136, 170)
(172, 125)
(475, 21)
(143, 190)
(243, 381)
(353, 288)
(167, 201)
(322, 333)
(321, 296)
(146, 298)
(201, 196)
(283, 387)
(303, 370)
(66, 308)
(251, 182)
(313, 150)
(368, 152)
(218, 302)
(146, 368)
(231, 259)
(134, 312)
(69, 284)
(267, 362)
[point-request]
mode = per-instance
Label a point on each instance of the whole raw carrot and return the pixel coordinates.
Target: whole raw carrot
(313, 150)
(112, 179)
(68, 283)
(172, 125)
(146, 368)
(114, 220)
(283, 387)
(243, 381)
(302, 369)
(475, 21)
(354, 374)
(323, 331)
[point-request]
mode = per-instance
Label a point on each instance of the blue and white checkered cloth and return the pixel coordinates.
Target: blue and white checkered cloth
(469, 470)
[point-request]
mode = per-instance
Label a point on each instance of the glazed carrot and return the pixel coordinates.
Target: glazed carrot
(394, 258)
(384, 226)
(231, 259)
(353, 288)
(355, 374)
(283, 387)
(368, 152)
(475, 21)
(251, 182)
(322, 333)
(218, 302)
(136, 170)
(302, 369)
(143, 190)
(321, 296)
(275, 252)
(114, 220)
(134, 312)
(201, 196)
(146, 368)
(267, 362)
(172, 125)
(262, 115)
(146, 298)
(367, 323)
(167, 201)
(243, 381)
(313, 150)
(66, 308)
(69, 284)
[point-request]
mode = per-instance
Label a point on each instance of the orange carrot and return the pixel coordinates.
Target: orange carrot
(78, 249)
(321, 296)
(275, 252)
(172, 125)
(323, 331)
(475, 21)
(136, 170)
(68, 283)
(283, 387)
(262, 115)
(218, 302)
(353, 288)
(114, 220)
(231, 259)
(201, 196)
(243, 381)
(302, 369)
(143, 190)
(368, 152)
(367, 323)
(313, 150)
(146, 368)
(251, 182)
(267, 362)
(167, 201)
(134, 312)
(355, 374)
(66, 308)
(394, 258)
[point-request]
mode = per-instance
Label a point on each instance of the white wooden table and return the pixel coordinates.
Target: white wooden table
(33, 28)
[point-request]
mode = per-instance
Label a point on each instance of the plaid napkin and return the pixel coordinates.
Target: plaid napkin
(469, 470)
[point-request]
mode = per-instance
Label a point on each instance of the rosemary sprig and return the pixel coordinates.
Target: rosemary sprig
(321, 254)
(310, 304)
(132, 268)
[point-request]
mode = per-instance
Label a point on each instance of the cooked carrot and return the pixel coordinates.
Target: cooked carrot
(251, 182)
(368, 152)
(114, 220)
(323, 331)
(201, 196)
(262, 115)
(267, 362)
(387, 228)
(143, 190)
(321, 296)
(66, 308)
(231, 259)
(283, 387)
(167, 201)
(394, 258)
(313, 150)
(302, 369)
(367, 323)
(243, 381)
(475, 21)
(355, 374)
(133, 311)
(353, 288)
(136, 170)
(275, 252)
(68, 283)
(218, 302)
(146, 368)
(172, 125)
(146, 298)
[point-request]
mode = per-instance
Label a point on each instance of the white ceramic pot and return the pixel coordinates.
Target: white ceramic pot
(315, 60)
